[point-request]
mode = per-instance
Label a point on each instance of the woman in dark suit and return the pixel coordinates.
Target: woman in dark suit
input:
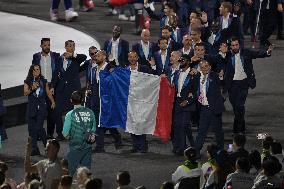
(36, 88)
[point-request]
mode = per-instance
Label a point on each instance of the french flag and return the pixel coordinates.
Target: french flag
(138, 102)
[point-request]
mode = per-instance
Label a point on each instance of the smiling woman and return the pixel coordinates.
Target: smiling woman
(20, 39)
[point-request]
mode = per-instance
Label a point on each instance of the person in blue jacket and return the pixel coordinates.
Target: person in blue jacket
(36, 88)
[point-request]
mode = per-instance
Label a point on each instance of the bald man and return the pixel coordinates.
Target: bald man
(144, 48)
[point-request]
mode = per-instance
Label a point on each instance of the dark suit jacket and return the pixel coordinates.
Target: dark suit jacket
(213, 94)
(188, 87)
(123, 49)
(54, 59)
(144, 69)
(246, 57)
(137, 47)
(69, 80)
(161, 16)
(160, 69)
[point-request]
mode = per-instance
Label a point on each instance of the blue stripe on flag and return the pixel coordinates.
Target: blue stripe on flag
(114, 90)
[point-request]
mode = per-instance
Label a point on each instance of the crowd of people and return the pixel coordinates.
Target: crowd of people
(201, 51)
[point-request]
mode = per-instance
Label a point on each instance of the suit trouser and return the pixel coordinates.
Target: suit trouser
(101, 134)
(50, 118)
(209, 119)
(237, 97)
(35, 128)
(139, 142)
(55, 4)
(280, 23)
(181, 130)
(268, 19)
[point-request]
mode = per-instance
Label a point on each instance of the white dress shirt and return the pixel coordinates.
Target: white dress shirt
(186, 51)
(225, 23)
(114, 50)
(98, 71)
(202, 97)
(46, 69)
(239, 70)
(145, 48)
(181, 79)
(164, 57)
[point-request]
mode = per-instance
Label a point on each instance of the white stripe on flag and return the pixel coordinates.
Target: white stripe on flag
(142, 103)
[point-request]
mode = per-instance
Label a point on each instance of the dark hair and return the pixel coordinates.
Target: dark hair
(30, 73)
(123, 178)
(243, 164)
(171, 5)
(212, 150)
(68, 41)
(66, 180)
(92, 47)
(64, 163)
(43, 40)
(224, 167)
(76, 97)
(5, 186)
(276, 148)
(201, 44)
(167, 185)
(161, 39)
(239, 140)
(255, 159)
(94, 183)
(55, 143)
(190, 153)
(266, 143)
(167, 27)
(2, 177)
(234, 38)
(271, 166)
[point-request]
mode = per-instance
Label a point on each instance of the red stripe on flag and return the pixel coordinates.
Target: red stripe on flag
(164, 111)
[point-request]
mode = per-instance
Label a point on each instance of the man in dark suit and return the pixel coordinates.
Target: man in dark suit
(93, 77)
(176, 31)
(169, 9)
(161, 60)
(268, 20)
(228, 25)
(239, 76)
(116, 48)
(67, 82)
(144, 48)
(211, 105)
(139, 142)
(184, 104)
(48, 61)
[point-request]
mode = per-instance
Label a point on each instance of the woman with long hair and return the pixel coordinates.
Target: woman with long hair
(37, 89)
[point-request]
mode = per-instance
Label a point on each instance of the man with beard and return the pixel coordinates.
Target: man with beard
(239, 77)
(47, 61)
(67, 81)
(93, 79)
(184, 104)
(116, 48)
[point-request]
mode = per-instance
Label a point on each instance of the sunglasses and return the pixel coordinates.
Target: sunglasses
(92, 54)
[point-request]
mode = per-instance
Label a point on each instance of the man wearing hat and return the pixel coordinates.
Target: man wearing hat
(184, 104)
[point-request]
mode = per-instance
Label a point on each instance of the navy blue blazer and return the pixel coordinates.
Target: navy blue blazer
(177, 39)
(246, 58)
(54, 59)
(188, 87)
(137, 47)
(171, 75)
(160, 68)
(68, 80)
(123, 50)
(213, 92)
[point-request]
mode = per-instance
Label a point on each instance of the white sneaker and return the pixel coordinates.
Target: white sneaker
(122, 17)
(53, 15)
(132, 18)
(70, 15)
(114, 12)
